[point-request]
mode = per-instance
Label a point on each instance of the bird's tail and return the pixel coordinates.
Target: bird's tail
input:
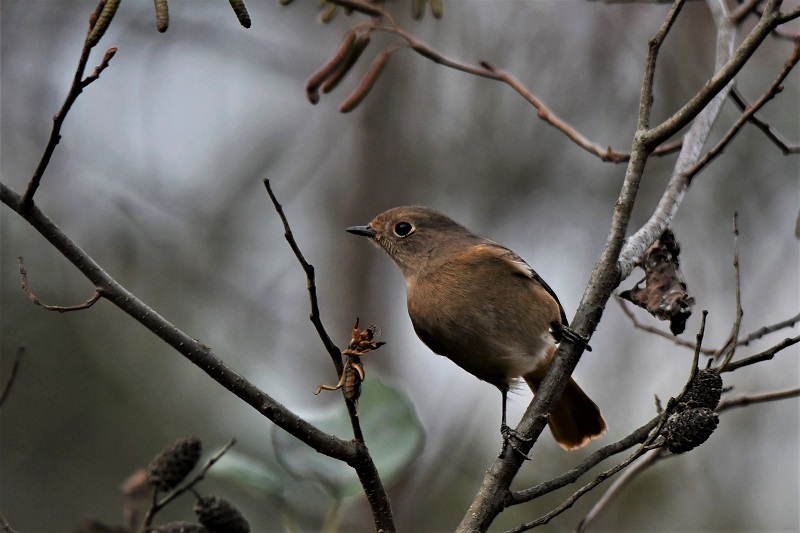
(575, 419)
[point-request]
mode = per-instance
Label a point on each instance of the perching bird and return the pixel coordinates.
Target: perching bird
(481, 306)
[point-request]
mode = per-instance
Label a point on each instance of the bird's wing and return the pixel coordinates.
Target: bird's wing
(522, 268)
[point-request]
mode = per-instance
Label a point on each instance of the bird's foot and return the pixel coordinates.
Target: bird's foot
(510, 436)
(569, 333)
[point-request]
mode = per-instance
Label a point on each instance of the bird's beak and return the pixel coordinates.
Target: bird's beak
(366, 231)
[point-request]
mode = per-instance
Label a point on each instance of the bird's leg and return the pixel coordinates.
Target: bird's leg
(561, 331)
(508, 433)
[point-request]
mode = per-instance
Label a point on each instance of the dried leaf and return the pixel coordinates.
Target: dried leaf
(665, 295)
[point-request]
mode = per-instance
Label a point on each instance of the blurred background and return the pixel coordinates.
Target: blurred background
(159, 175)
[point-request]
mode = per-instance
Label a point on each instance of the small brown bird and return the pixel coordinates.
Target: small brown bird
(481, 306)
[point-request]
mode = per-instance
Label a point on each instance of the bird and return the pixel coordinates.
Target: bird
(483, 307)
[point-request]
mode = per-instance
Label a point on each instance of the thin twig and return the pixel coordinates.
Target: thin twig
(5, 525)
(491, 497)
(770, 93)
(569, 502)
(61, 309)
(729, 348)
(618, 485)
(772, 134)
(649, 445)
(13, 375)
(747, 399)
(654, 330)
(636, 437)
(486, 70)
(742, 341)
(195, 351)
(743, 10)
(702, 109)
(766, 355)
(77, 87)
(330, 347)
(761, 332)
(646, 98)
(159, 504)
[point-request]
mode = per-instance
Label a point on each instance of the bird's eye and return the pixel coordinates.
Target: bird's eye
(402, 229)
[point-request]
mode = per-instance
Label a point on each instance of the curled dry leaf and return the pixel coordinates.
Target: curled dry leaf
(353, 373)
(665, 295)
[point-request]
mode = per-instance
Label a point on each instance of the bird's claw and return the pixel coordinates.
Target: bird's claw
(511, 435)
(575, 337)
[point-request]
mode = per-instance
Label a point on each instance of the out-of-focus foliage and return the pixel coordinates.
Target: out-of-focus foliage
(158, 177)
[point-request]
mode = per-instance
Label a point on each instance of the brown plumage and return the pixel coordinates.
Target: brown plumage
(481, 306)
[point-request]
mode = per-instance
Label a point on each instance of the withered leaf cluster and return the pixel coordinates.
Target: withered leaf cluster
(361, 343)
(665, 295)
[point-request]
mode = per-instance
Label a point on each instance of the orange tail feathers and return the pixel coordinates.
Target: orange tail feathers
(575, 419)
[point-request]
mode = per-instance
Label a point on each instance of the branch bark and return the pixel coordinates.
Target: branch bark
(353, 453)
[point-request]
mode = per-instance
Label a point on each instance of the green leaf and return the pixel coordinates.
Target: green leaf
(391, 430)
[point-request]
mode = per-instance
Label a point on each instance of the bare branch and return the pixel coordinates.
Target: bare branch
(730, 344)
(724, 74)
(743, 341)
(363, 465)
(486, 70)
(330, 347)
(194, 350)
(743, 10)
(605, 277)
(619, 484)
(712, 97)
(766, 355)
(748, 399)
(77, 87)
(761, 332)
(790, 15)
(646, 98)
(772, 134)
(5, 525)
(32, 297)
(569, 502)
(12, 376)
(636, 437)
(771, 92)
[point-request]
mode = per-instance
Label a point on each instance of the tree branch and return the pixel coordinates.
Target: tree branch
(766, 355)
(77, 87)
(492, 496)
(772, 134)
(636, 437)
(12, 376)
(747, 399)
(61, 309)
(770, 93)
(354, 453)
(196, 352)
(330, 347)
(713, 95)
